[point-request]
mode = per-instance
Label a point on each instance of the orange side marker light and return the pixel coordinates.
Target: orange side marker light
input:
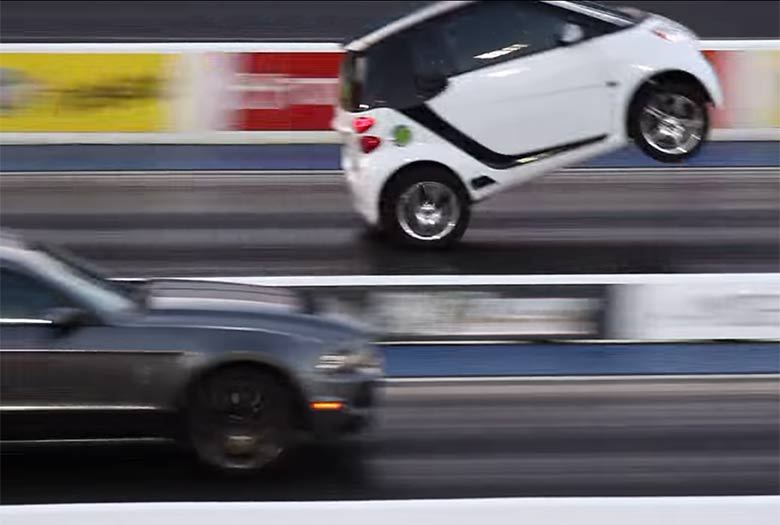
(326, 405)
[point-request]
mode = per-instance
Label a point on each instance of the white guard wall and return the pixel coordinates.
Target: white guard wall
(527, 511)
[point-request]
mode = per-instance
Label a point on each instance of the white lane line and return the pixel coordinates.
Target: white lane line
(180, 47)
(493, 280)
(163, 138)
(583, 379)
(170, 47)
(562, 342)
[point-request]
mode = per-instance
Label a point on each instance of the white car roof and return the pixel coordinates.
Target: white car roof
(439, 8)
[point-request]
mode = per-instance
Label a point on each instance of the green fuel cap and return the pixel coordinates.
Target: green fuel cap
(402, 135)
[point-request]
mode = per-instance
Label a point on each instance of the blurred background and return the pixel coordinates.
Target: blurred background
(584, 373)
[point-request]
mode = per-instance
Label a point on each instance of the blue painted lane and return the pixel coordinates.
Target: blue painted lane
(169, 157)
(305, 157)
(712, 155)
(578, 359)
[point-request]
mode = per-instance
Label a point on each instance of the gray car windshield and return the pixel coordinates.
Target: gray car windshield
(84, 283)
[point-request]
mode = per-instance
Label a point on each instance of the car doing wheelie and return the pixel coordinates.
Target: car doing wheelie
(462, 100)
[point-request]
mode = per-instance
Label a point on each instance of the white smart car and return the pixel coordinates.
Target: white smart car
(461, 100)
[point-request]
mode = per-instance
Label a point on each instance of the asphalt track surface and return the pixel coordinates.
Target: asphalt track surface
(531, 438)
(576, 221)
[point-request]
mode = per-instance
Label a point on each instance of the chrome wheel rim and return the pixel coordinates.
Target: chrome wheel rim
(428, 211)
(672, 123)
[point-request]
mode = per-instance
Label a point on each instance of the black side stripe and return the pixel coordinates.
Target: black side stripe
(426, 117)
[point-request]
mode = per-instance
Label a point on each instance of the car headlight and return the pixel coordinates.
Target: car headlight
(365, 359)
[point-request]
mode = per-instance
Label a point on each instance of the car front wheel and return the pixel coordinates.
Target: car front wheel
(426, 207)
(239, 419)
(670, 122)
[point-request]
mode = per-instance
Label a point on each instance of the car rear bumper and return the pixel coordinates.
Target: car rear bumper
(363, 188)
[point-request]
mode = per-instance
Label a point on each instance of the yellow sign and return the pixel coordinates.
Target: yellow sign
(83, 92)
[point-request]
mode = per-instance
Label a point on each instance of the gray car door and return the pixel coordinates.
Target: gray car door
(57, 382)
(31, 377)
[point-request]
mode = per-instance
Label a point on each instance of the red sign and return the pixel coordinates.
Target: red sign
(718, 60)
(286, 91)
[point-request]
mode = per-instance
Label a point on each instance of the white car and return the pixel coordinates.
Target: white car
(461, 100)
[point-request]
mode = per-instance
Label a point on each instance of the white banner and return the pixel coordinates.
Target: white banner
(466, 313)
(693, 311)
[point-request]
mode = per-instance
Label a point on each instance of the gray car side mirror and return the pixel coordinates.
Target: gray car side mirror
(67, 318)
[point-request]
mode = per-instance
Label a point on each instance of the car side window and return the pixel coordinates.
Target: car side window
(23, 297)
(408, 62)
(489, 33)
(389, 77)
(431, 55)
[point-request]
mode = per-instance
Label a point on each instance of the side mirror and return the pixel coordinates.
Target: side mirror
(431, 84)
(65, 319)
(571, 33)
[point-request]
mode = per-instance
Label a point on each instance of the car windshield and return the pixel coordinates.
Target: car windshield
(84, 281)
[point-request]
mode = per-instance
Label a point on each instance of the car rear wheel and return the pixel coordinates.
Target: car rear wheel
(670, 122)
(240, 419)
(427, 207)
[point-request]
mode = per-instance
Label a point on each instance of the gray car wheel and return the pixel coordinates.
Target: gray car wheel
(239, 419)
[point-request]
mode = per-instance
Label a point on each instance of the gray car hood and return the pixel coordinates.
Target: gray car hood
(226, 305)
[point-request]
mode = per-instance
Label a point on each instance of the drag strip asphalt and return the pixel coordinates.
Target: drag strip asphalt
(434, 439)
(575, 221)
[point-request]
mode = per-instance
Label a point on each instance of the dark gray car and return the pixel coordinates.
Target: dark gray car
(240, 373)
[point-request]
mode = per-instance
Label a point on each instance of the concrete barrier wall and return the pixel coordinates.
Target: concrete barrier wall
(759, 510)
(623, 307)
(260, 93)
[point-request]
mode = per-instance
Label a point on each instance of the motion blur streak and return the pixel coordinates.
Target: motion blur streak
(439, 439)
(589, 221)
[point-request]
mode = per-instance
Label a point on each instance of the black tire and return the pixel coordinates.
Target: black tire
(248, 433)
(393, 226)
(648, 96)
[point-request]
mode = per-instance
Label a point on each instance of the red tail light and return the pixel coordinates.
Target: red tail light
(362, 124)
(369, 143)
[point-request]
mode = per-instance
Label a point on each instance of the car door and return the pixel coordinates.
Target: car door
(31, 384)
(514, 88)
(61, 383)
